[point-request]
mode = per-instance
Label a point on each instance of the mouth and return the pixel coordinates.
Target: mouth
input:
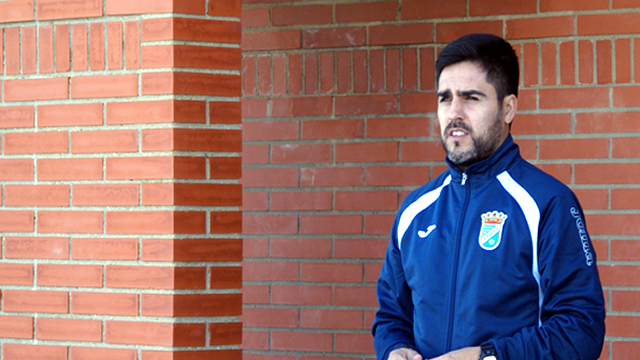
(457, 134)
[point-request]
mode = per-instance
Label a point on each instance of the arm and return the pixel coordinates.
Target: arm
(572, 313)
(393, 324)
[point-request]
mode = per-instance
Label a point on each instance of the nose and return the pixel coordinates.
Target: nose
(455, 111)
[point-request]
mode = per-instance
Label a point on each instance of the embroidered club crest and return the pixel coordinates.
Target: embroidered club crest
(491, 229)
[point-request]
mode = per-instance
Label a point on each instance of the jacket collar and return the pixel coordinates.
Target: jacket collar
(499, 161)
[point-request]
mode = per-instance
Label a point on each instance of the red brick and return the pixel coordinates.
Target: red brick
(116, 7)
(608, 23)
(63, 53)
(539, 27)
(12, 49)
(567, 63)
(36, 143)
(255, 17)
(301, 106)
(16, 10)
(155, 277)
(156, 112)
(366, 12)
(301, 294)
(214, 140)
(275, 177)
(401, 34)
(16, 116)
(333, 37)
(397, 127)
(366, 104)
(354, 343)
(93, 353)
(603, 62)
(613, 224)
(15, 274)
(228, 277)
(255, 248)
(607, 122)
(68, 329)
(421, 151)
(184, 83)
(256, 294)
(624, 198)
(279, 71)
(588, 148)
(376, 72)
(331, 176)
(409, 70)
(301, 341)
(191, 29)
(33, 352)
(396, 175)
(333, 129)
(36, 195)
(105, 195)
(427, 64)
(187, 56)
(35, 301)
(96, 46)
(625, 147)
(16, 327)
(104, 249)
(411, 103)
(301, 200)
(255, 340)
(36, 89)
(573, 5)
(100, 86)
(45, 49)
(270, 271)
(525, 124)
(16, 221)
(69, 275)
(56, 9)
(225, 222)
(625, 250)
(140, 168)
(360, 248)
(104, 303)
(207, 194)
(393, 70)
(378, 224)
(366, 200)
(622, 61)
(331, 272)
(70, 115)
(295, 74)
(270, 130)
(606, 173)
(497, 7)
(331, 319)
(561, 172)
(254, 108)
(69, 222)
(449, 31)
(623, 325)
(530, 65)
(36, 248)
(593, 198)
(300, 248)
(139, 333)
(85, 142)
(311, 73)
(622, 96)
(355, 296)
(271, 40)
(192, 250)
(301, 154)
(225, 333)
(191, 305)
(114, 45)
(28, 43)
(301, 15)
(574, 98)
(343, 72)
(156, 222)
(622, 350)
(269, 317)
(330, 224)
(622, 300)
(79, 38)
(132, 44)
(418, 9)
(549, 59)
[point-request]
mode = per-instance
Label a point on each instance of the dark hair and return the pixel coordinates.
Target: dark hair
(492, 53)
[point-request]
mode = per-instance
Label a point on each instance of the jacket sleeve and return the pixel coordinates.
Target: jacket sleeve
(392, 326)
(572, 308)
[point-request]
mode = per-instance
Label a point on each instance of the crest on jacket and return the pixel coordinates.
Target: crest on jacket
(491, 229)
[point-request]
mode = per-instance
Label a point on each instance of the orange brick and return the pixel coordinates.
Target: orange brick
(93, 353)
(104, 86)
(36, 248)
(185, 83)
(45, 49)
(156, 112)
(33, 352)
(189, 29)
(114, 45)
(35, 301)
(36, 195)
(16, 116)
(70, 169)
(96, 46)
(63, 50)
(157, 277)
(104, 249)
(118, 141)
(191, 305)
(68, 329)
(192, 250)
(49, 142)
(104, 303)
(51, 9)
(16, 10)
(16, 221)
(148, 333)
(36, 89)
(187, 56)
(69, 222)
(15, 274)
(69, 275)
(70, 115)
(16, 327)
(105, 195)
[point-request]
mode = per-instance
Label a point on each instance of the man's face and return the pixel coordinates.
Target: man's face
(472, 125)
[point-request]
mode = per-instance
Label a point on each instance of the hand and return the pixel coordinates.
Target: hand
(468, 353)
(405, 354)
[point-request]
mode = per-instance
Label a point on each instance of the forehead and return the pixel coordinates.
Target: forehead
(464, 75)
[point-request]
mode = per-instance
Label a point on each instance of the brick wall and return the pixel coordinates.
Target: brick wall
(120, 215)
(338, 98)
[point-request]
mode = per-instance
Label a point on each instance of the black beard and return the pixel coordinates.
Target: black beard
(481, 148)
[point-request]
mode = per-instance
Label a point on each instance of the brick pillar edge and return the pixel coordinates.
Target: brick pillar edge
(119, 171)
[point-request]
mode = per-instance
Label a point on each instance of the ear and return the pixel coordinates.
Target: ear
(509, 108)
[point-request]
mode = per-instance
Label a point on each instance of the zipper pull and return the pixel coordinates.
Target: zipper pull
(464, 179)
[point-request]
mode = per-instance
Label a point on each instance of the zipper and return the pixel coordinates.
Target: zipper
(454, 272)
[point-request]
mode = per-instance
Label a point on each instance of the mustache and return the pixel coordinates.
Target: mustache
(458, 124)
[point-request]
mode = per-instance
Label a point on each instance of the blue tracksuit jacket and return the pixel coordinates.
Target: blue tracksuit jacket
(500, 254)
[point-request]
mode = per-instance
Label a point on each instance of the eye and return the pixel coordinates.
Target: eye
(444, 99)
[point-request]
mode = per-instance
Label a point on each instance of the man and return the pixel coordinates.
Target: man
(490, 260)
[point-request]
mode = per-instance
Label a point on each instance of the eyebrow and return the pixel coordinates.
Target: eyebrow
(463, 93)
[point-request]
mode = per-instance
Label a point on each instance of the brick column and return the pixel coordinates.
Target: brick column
(120, 169)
